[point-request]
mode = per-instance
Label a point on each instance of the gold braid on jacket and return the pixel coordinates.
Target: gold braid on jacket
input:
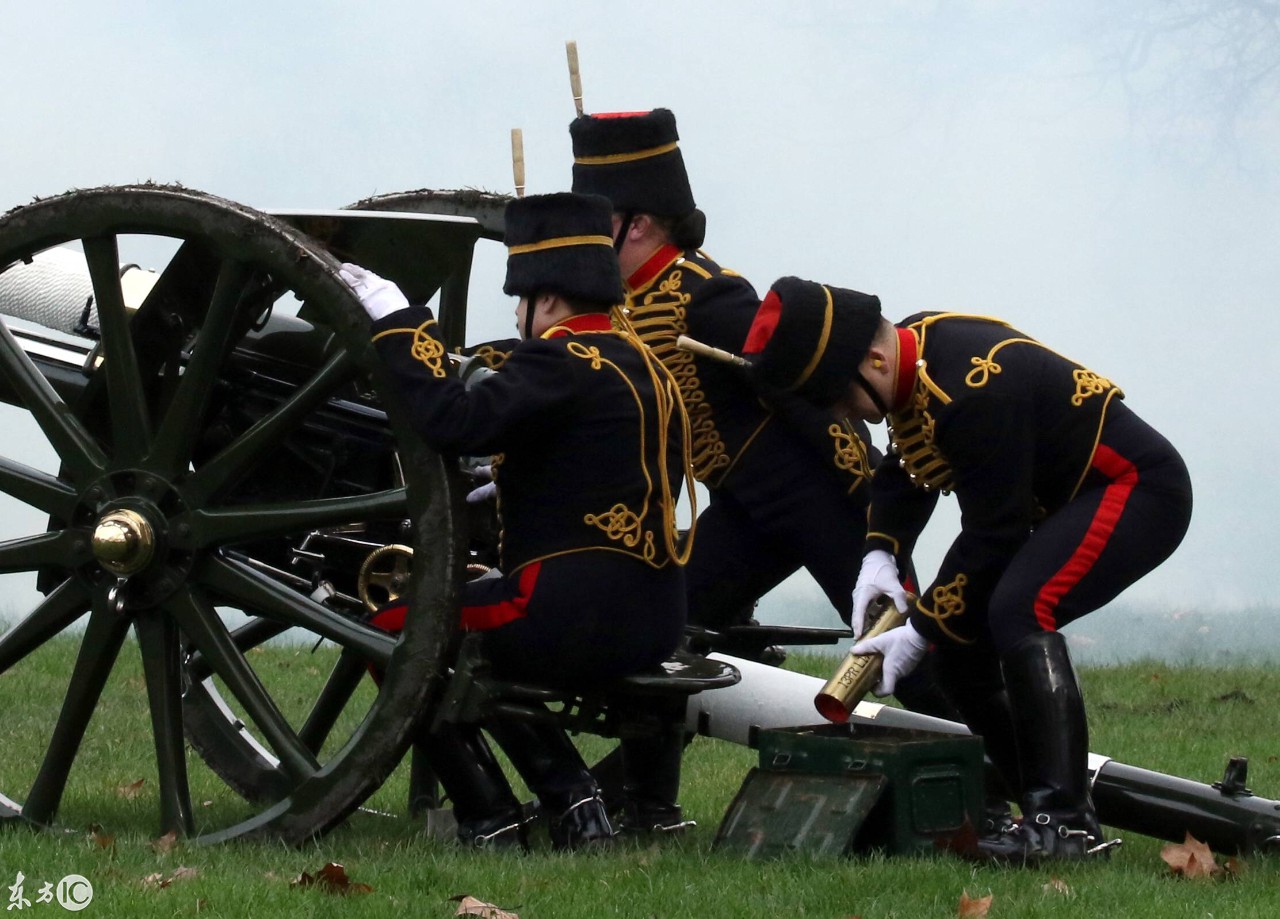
(667, 392)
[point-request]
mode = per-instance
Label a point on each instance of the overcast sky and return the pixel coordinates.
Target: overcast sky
(1107, 182)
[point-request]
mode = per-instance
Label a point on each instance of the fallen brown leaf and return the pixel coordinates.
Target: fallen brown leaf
(158, 881)
(131, 790)
(332, 878)
(1190, 859)
(470, 906)
(1057, 885)
(166, 843)
(970, 907)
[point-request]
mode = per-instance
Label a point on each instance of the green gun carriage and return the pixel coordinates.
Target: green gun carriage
(223, 469)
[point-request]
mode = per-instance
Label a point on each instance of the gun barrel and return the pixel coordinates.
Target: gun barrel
(1224, 815)
(53, 290)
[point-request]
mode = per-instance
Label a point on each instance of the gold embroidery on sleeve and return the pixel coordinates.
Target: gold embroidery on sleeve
(948, 603)
(492, 357)
(423, 348)
(1089, 384)
(851, 452)
(428, 350)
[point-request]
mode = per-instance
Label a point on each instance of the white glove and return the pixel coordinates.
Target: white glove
(487, 490)
(902, 649)
(878, 578)
(378, 296)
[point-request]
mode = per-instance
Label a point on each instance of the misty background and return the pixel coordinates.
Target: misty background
(1102, 176)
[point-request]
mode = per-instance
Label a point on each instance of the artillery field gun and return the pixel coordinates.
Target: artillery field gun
(226, 465)
(221, 445)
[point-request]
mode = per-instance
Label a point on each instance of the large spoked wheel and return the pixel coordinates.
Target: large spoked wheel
(200, 480)
(229, 745)
(486, 208)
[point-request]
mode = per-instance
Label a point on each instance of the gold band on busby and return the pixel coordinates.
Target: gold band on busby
(634, 160)
(809, 338)
(562, 244)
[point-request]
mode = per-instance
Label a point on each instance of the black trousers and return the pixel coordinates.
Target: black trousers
(579, 619)
(1130, 513)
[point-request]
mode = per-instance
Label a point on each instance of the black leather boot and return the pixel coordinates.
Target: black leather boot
(651, 785)
(553, 769)
(578, 820)
(1058, 817)
(649, 758)
(486, 809)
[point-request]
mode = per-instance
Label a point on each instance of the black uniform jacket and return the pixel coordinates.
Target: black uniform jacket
(993, 415)
(583, 454)
(685, 293)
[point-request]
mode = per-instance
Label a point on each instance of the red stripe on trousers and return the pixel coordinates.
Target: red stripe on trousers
(391, 619)
(483, 618)
(1124, 478)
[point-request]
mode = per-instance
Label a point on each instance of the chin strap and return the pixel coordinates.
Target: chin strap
(871, 393)
(627, 216)
(528, 315)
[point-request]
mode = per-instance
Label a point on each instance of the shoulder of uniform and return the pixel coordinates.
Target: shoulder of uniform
(702, 265)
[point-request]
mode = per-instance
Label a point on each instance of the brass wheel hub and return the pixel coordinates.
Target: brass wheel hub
(124, 542)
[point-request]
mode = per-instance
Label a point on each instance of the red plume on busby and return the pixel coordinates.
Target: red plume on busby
(634, 160)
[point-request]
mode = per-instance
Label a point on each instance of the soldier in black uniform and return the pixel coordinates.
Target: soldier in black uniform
(588, 435)
(1067, 497)
(786, 487)
(767, 474)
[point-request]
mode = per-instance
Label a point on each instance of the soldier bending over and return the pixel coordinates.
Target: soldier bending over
(1066, 497)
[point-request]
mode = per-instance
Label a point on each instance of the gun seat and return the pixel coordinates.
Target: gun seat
(643, 704)
(475, 694)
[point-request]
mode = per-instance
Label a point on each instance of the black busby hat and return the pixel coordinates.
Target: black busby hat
(633, 159)
(809, 339)
(562, 244)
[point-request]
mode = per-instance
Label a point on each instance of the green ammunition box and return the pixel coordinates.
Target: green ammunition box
(839, 789)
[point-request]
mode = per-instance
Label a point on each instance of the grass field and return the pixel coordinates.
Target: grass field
(1183, 721)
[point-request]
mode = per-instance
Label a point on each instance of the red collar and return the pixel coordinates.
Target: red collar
(580, 322)
(653, 266)
(908, 353)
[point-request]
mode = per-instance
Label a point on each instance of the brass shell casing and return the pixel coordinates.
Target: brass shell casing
(857, 672)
